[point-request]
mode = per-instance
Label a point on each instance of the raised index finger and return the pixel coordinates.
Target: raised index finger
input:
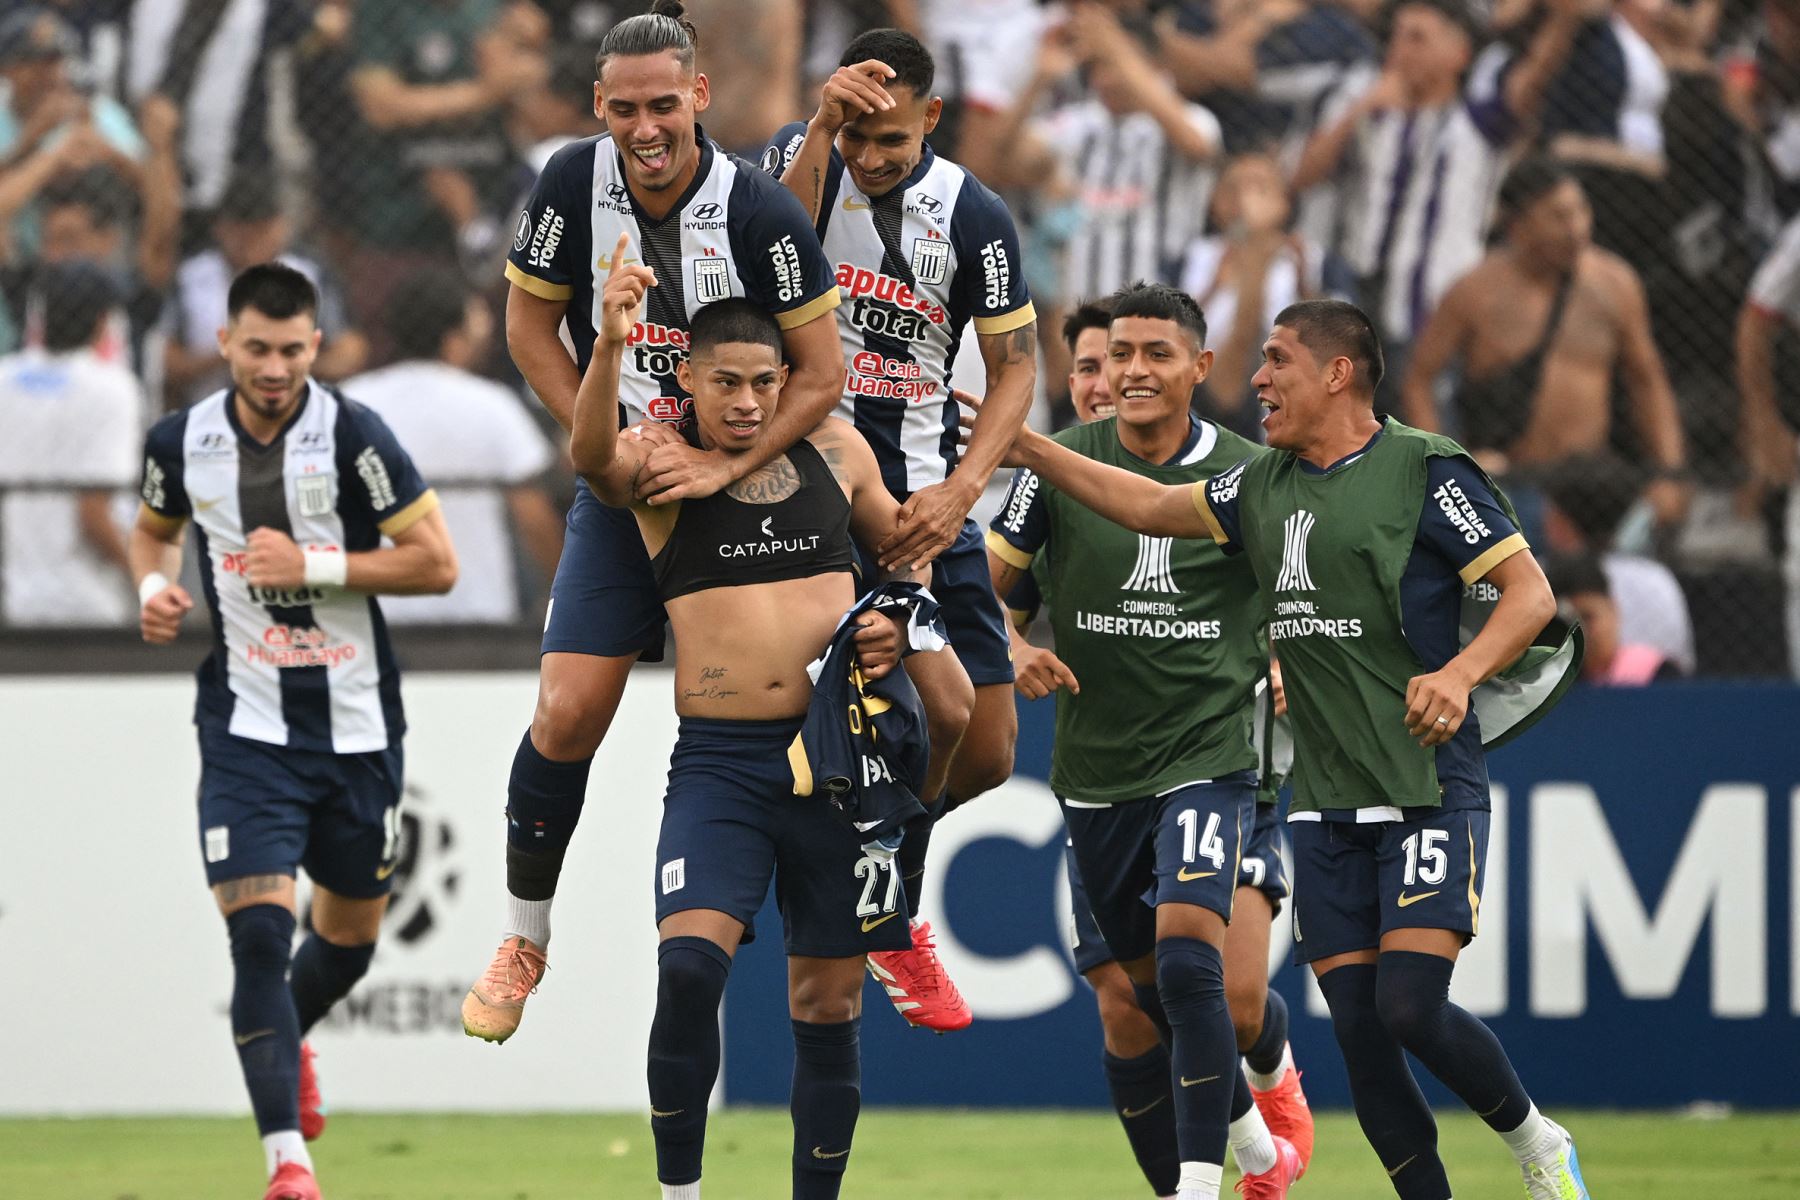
(618, 257)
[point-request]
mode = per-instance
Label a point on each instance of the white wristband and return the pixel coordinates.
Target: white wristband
(326, 568)
(153, 583)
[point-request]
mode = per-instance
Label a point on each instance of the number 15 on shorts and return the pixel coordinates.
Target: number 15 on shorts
(880, 877)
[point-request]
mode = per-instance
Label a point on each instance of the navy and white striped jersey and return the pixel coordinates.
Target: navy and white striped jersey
(915, 266)
(735, 232)
(309, 668)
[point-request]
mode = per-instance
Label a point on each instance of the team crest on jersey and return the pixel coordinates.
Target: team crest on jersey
(712, 280)
(314, 495)
(930, 261)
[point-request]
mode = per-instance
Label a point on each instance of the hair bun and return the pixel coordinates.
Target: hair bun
(669, 8)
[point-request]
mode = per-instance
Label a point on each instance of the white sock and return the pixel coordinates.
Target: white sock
(1263, 1083)
(1199, 1181)
(1534, 1138)
(1251, 1144)
(285, 1147)
(529, 919)
(678, 1191)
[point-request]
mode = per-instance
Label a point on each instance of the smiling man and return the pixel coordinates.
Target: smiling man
(712, 227)
(921, 249)
(1363, 535)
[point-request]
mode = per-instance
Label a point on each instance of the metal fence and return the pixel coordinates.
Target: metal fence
(1628, 373)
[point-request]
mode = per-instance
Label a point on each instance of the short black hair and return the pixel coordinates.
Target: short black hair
(1528, 181)
(1459, 13)
(274, 290)
(664, 27)
(734, 320)
(1594, 491)
(1334, 328)
(913, 65)
(100, 190)
(426, 309)
(1089, 314)
(251, 196)
(75, 298)
(1159, 301)
(1577, 575)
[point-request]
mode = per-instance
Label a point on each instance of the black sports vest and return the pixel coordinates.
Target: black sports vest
(720, 541)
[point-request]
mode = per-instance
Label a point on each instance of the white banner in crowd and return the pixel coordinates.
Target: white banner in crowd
(103, 904)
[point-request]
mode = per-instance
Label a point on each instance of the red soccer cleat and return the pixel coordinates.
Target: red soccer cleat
(292, 1182)
(1286, 1113)
(1273, 1184)
(919, 987)
(312, 1105)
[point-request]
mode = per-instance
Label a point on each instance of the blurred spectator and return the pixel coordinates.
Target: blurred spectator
(560, 112)
(1769, 87)
(72, 423)
(1772, 404)
(99, 28)
(750, 52)
(248, 227)
(1420, 150)
(475, 440)
(984, 51)
(1140, 158)
(1244, 272)
(1591, 503)
(1609, 657)
(210, 61)
(433, 79)
(1544, 327)
(43, 107)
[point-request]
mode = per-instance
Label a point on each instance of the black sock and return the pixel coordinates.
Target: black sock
(262, 1014)
(1412, 993)
(1389, 1106)
(826, 1098)
(1190, 975)
(323, 973)
(910, 858)
(543, 804)
(1141, 1095)
(684, 1051)
(1150, 1000)
(1264, 1054)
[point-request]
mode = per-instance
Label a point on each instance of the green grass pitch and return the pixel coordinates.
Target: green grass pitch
(940, 1154)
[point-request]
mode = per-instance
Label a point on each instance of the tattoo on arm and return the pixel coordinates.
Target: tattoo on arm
(233, 890)
(818, 193)
(1021, 343)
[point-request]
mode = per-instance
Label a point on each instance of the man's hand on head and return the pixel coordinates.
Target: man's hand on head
(851, 92)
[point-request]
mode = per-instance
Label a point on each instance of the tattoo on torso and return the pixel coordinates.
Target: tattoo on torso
(769, 484)
(710, 686)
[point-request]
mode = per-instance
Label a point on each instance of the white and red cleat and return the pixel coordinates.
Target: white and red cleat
(918, 985)
(292, 1182)
(1273, 1184)
(312, 1104)
(1286, 1113)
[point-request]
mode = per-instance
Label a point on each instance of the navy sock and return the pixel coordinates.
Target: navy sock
(323, 973)
(825, 1101)
(684, 1051)
(1150, 1000)
(1141, 1094)
(1191, 977)
(543, 804)
(1389, 1106)
(910, 858)
(262, 1014)
(1412, 993)
(1264, 1054)
(1242, 1098)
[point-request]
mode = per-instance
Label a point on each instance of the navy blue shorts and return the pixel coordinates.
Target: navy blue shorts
(963, 586)
(731, 822)
(265, 809)
(603, 600)
(1262, 867)
(1353, 883)
(1182, 847)
(1088, 947)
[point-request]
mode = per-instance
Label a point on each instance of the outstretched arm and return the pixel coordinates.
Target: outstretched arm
(1139, 504)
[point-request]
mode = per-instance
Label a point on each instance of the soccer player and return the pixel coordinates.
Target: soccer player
(756, 579)
(291, 488)
(1363, 534)
(1036, 534)
(713, 227)
(1154, 629)
(920, 248)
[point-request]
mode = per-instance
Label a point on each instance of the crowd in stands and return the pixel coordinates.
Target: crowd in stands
(1576, 224)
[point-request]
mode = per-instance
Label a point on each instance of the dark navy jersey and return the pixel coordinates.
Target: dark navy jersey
(864, 743)
(915, 265)
(1460, 524)
(734, 232)
(310, 667)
